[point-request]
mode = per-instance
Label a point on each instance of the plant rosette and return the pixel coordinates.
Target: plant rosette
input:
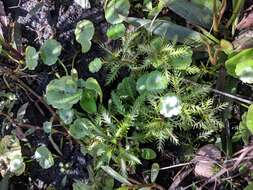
(170, 105)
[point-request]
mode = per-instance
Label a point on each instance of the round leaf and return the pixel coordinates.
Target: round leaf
(148, 154)
(50, 51)
(95, 65)
(80, 128)
(17, 165)
(31, 58)
(66, 115)
(116, 10)
(44, 157)
(63, 93)
(154, 81)
(116, 31)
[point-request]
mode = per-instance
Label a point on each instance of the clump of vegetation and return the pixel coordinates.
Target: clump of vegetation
(163, 86)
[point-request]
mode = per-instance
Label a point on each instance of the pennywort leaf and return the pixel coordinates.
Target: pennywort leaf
(63, 93)
(50, 51)
(116, 10)
(44, 157)
(116, 31)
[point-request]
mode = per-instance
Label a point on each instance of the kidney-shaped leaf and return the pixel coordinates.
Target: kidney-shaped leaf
(44, 157)
(66, 115)
(116, 31)
(116, 10)
(50, 51)
(63, 93)
(80, 128)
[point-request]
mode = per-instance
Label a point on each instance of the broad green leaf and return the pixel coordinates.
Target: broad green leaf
(168, 29)
(92, 84)
(66, 115)
(238, 58)
(249, 119)
(156, 81)
(80, 128)
(115, 175)
(50, 51)
(244, 71)
(116, 10)
(47, 127)
(63, 93)
(116, 31)
(81, 186)
(148, 154)
(85, 4)
(84, 33)
(88, 101)
(154, 172)
(95, 65)
(192, 12)
(31, 58)
(17, 165)
(44, 157)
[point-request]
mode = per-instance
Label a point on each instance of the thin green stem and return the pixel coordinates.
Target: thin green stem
(64, 67)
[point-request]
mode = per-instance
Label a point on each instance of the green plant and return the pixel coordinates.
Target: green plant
(84, 33)
(44, 157)
(11, 160)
